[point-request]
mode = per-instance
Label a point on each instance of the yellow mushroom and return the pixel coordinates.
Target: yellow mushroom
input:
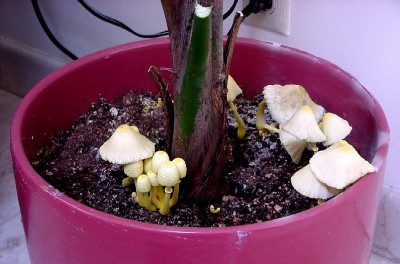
(126, 145)
(156, 192)
(147, 164)
(334, 128)
(168, 176)
(339, 165)
(233, 91)
(143, 186)
(181, 165)
(305, 182)
(304, 126)
(293, 145)
(261, 124)
(284, 100)
(158, 159)
(132, 170)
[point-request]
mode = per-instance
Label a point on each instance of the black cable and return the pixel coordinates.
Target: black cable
(106, 19)
(118, 23)
(229, 12)
(48, 32)
(256, 6)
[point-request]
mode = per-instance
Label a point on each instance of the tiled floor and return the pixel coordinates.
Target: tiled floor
(12, 242)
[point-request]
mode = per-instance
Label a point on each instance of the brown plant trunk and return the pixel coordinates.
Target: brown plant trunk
(204, 151)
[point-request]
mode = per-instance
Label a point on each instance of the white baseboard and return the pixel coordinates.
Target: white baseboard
(21, 66)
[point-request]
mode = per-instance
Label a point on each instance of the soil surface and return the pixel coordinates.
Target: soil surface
(259, 169)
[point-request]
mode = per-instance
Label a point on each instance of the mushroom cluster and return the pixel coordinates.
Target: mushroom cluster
(155, 177)
(302, 123)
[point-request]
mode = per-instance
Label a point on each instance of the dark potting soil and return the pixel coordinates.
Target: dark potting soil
(258, 169)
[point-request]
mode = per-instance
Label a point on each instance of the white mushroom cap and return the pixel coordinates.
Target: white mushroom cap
(147, 164)
(339, 165)
(143, 184)
(158, 159)
(168, 175)
(181, 165)
(305, 182)
(126, 145)
(334, 128)
(153, 178)
(292, 145)
(233, 89)
(284, 100)
(304, 126)
(134, 169)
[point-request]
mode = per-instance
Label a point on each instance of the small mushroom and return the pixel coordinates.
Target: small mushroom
(133, 170)
(339, 165)
(158, 159)
(233, 91)
(126, 145)
(156, 192)
(143, 187)
(181, 165)
(334, 128)
(304, 126)
(305, 182)
(261, 124)
(147, 164)
(168, 176)
(293, 145)
(284, 100)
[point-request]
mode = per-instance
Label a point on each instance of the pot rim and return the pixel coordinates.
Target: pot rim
(36, 180)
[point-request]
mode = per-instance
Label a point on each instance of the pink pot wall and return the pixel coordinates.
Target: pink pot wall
(61, 230)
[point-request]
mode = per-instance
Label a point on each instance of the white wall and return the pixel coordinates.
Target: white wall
(361, 36)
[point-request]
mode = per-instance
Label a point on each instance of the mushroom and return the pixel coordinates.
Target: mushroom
(304, 126)
(334, 127)
(126, 145)
(168, 176)
(181, 165)
(233, 91)
(133, 170)
(339, 165)
(293, 145)
(261, 124)
(156, 191)
(158, 159)
(284, 100)
(143, 187)
(305, 182)
(147, 164)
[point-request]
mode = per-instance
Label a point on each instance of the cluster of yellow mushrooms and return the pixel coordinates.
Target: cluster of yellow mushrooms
(300, 123)
(155, 176)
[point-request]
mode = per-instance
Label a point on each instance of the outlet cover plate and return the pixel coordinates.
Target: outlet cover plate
(276, 19)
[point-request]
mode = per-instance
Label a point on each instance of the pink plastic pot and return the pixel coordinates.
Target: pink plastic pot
(61, 230)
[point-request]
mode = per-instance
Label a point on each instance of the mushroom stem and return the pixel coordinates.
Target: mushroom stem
(148, 202)
(261, 124)
(155, 197)
(165, 206)
(175, 196)
(141, 199)
(241, 132)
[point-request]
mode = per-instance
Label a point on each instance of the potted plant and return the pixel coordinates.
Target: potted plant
(60, 230)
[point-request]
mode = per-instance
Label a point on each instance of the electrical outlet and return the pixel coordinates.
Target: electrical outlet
(275, 19)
